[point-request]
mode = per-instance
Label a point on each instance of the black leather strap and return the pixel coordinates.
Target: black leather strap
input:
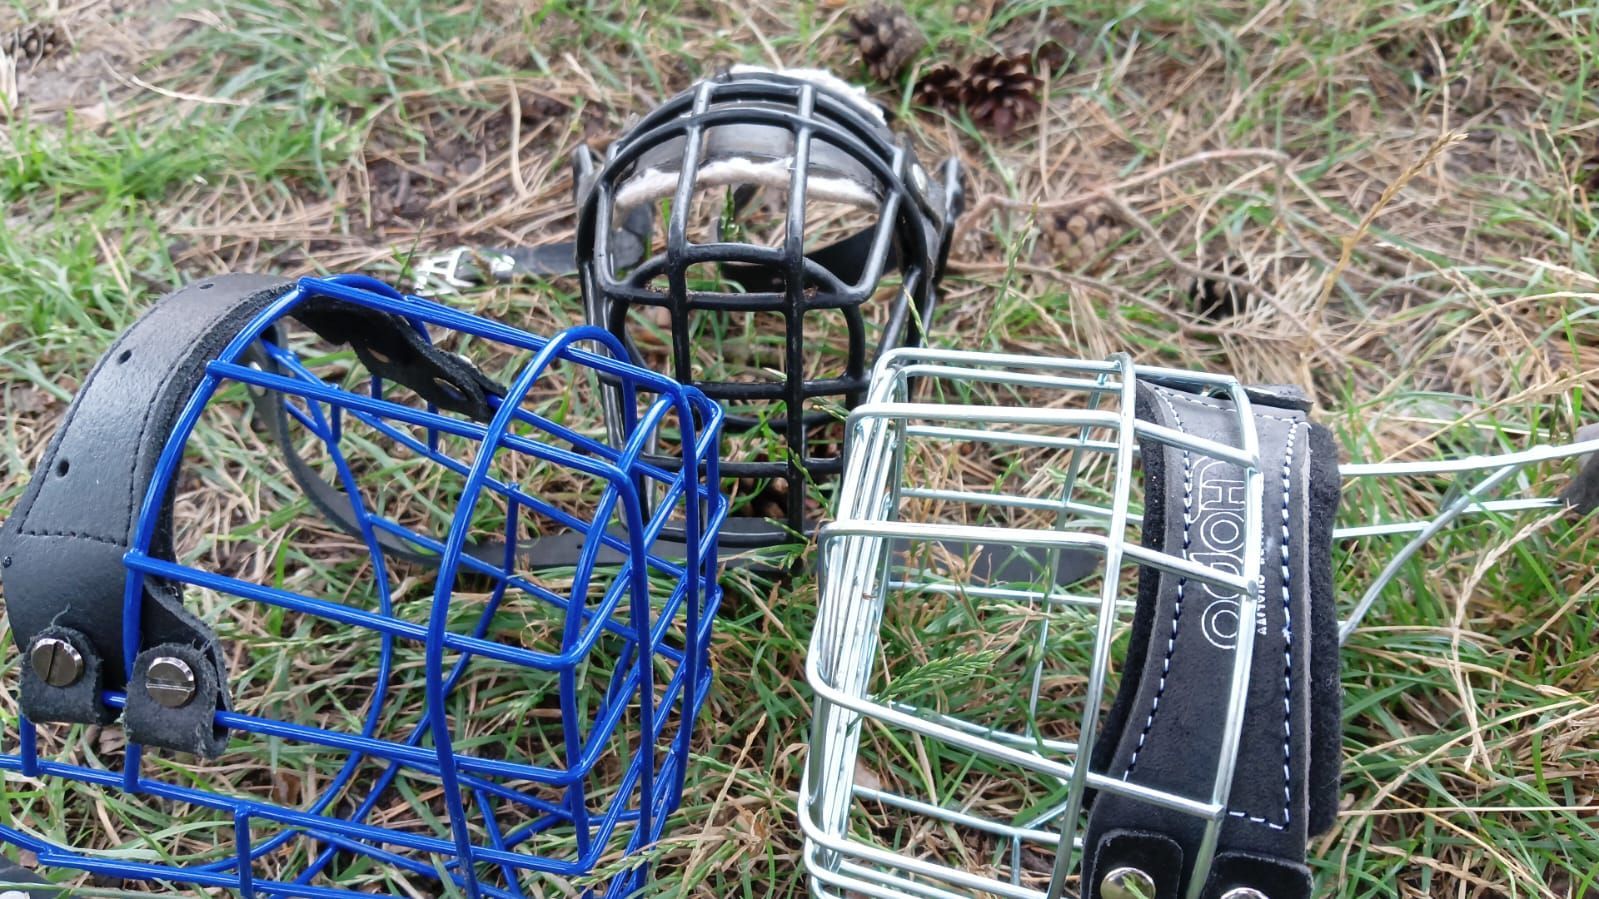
(1165, 728)
(61, 550)
(14, 877)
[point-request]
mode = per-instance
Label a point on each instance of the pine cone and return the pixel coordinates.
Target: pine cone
(1215, 299)
(1051, 48)
(938, 87)
(972, 14)
(887, 37)
(1081, 236)
(537, 106)
(1054, 54)
(33, 43)
(1001, 92)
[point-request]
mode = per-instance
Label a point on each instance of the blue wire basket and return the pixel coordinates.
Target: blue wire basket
(489, 688)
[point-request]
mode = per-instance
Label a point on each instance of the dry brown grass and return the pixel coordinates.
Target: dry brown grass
(1401, 194)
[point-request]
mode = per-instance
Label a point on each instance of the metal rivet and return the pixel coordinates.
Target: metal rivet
(256, 390)
(919, 179)
(1127, 883)
(1244, 893)
(170, 682)
(57, 662)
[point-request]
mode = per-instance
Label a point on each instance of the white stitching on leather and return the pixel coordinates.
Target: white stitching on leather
(1177, 607)
(1287, 585)
(1286, 555)
(1288, 627)
(1220, 408)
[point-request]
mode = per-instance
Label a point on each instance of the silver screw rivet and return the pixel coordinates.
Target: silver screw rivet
(256, 390)
(170, 682)
(1244, 893)
(1127, 883)
(919, 179)
(57, 662)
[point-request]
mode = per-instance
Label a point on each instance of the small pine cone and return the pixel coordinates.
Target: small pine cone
(887, 37)
(1050, 48)
(1216, 299)
(33, 43)
(537, 106)
(939, 86)
(1001, 92)
(1055, 53)
(971, 14)
(1081, 236)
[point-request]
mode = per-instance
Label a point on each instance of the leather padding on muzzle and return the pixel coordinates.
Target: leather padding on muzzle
(1165, 728)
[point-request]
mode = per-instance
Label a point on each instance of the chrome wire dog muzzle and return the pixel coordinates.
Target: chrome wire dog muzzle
(1028, 673)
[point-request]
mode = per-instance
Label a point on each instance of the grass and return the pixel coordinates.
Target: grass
(1435, 293)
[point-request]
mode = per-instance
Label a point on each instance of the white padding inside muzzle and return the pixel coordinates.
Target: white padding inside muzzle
(655, 184)
(826, 80)
(735, 155)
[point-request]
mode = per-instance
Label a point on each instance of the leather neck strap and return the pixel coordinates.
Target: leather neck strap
(61, 551)
(1165, 729)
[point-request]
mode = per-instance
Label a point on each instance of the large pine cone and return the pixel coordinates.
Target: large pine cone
(888, 39)
(1001, 92)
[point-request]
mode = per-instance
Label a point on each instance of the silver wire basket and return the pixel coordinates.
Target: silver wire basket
(976, 597)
